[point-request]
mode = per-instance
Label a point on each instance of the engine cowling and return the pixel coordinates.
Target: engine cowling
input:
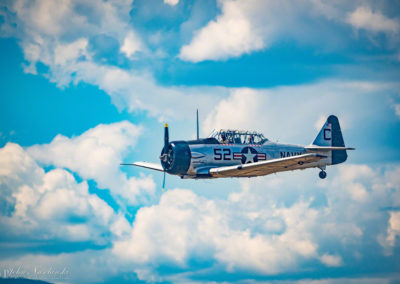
(175, 159)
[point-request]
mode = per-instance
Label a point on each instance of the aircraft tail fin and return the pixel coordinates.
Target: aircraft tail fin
(331, 136)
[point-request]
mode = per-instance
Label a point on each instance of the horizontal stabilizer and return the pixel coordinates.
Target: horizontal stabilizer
(327, 148)
(146, 165)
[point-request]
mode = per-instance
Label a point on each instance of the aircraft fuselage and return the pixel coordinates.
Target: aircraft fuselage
(206, 156)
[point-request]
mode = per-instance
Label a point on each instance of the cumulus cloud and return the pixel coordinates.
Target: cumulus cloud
(67, 42)
(266, 228)
(45, 25)
(68, 53)
(320, 122)
(331, 260)
(131, 44)
(248, 26)
(388, 241)
(270, 226)
(267, 110)
(96, 154)
(184, 226)
(50, 205)
(171, 2)
(132, 91)
(248, 102)
(397, 109)
(393, 227)
(64, 42)
(231, 35)
(364, 18)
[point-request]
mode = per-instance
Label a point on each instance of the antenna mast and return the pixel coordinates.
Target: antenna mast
(197, 120)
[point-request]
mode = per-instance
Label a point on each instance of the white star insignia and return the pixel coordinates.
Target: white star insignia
(249, 157)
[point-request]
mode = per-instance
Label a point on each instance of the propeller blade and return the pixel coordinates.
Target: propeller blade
(163, 182)
(166, 137)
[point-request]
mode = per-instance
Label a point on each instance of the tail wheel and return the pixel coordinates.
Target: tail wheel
(322, 174)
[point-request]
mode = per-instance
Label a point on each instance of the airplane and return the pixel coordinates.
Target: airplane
(234, 153)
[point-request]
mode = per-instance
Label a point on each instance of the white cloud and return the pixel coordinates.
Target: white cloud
(320, 122)
(364, 18)
(267, 110)
(65, 54)
(230, 35)
(42, 205)
(388, 242)
(97, 154)
(266, 228)
(271, 226)
(46, 27)
(377, 189)
(171, 2)
(357, 192)
(61, 41)
(248, 103)
(248, 26)
(397, 109)
(393, 227)
(184, 226)
(331, 260)
(131, 45)
(133, 91)
(355, 173)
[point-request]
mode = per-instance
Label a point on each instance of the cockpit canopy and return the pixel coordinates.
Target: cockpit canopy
(227, 136)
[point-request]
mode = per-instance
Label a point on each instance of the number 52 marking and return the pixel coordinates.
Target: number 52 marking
(222, 154)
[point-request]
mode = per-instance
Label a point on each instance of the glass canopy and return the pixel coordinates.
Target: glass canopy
(228, 136)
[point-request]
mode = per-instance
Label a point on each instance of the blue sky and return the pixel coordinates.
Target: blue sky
(86, 85)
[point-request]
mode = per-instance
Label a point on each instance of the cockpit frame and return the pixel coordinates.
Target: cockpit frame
(231, 136)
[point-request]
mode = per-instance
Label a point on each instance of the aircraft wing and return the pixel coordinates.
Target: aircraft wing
(147, 165)
(266, 167)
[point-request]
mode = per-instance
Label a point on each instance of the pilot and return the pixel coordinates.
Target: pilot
(251, 139)
(223, 138)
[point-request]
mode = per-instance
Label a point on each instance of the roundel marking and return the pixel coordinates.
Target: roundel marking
(249, 155)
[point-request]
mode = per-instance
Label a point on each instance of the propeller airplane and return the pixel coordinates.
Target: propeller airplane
(235, 153)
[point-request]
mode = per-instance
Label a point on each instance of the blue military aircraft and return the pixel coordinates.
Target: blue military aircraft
(235, 153)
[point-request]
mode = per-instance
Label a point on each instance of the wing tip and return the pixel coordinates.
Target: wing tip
(146, 165)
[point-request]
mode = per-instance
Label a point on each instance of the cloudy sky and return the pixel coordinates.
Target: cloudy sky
(88, 84)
